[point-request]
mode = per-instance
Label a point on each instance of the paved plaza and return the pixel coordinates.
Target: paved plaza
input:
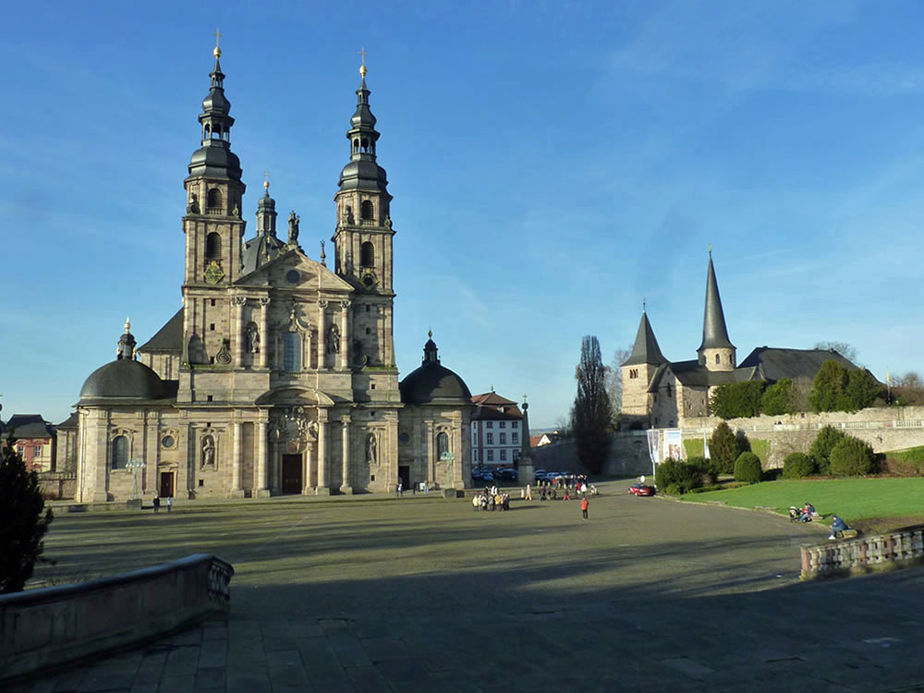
(377, 593)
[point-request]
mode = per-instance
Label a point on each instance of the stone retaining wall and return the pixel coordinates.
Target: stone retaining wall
(866, 552)
(48, 627)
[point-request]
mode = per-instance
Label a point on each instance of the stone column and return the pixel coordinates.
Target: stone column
(345, 444)
(262, 487)
(307, 468)
(237, 338)
(322, 333)
(431, 458)
(264, 332)
(344, 336)
(323, 484)
(236, 491)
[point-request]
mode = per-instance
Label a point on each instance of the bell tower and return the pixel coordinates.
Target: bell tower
(214, 229)
(363, 237)
(716, 352)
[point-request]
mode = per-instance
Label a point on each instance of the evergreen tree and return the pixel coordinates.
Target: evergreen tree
(724, 448)
(22, 522)
(829, 387)
(778, 398)
(591, 417)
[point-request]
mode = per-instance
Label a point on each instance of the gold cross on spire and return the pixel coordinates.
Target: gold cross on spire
(217, 50)
(362, 68)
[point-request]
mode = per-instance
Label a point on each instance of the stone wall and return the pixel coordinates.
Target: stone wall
(49, 627)
(884, 428)
(896, 549)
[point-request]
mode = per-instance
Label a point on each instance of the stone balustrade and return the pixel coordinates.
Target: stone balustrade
(48, 627)
(865, 553)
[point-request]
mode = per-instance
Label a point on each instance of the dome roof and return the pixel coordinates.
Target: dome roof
(433, 383)
(216, 160)
(123, 379)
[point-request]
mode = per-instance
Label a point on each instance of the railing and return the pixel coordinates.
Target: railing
(49, 627)
(860, 554)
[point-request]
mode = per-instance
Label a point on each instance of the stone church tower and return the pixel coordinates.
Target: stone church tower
(716, 352)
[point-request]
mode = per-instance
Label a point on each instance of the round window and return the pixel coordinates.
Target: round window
(292, 276)
(404, 438)
(167, 441)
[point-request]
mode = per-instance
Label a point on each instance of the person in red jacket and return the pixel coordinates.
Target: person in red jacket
(584, 505)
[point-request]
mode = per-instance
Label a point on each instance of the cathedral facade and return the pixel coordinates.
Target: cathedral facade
(277, 375)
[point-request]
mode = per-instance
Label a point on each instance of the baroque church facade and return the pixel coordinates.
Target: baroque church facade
(278, 374)
(657, 393)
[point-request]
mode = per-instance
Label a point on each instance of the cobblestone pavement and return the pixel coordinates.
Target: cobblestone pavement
(424, 594)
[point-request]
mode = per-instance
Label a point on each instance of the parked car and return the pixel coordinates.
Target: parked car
(641, 490)
(487, 476)
(541, 475)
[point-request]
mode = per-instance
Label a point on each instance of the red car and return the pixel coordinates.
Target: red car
(641, 490)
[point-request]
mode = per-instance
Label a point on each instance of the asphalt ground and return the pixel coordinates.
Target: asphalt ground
(419, 593)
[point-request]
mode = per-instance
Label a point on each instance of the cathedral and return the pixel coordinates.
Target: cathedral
(277, 375)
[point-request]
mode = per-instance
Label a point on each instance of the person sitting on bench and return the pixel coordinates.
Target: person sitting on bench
(837, 525)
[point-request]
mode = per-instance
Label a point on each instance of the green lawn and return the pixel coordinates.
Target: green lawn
(871, 504)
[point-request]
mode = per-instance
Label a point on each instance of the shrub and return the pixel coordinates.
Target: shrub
(778, 398)
(737, 400)
(677, 477)
(852, 457)
(824, 443)
(747, 468)
(798, 465)
(706, 468)
(724, 448)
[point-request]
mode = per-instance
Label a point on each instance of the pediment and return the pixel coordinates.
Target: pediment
(295, 271)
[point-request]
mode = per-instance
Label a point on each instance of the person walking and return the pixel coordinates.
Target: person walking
(585, 504)
(529, 492)
(156, 503)
(169, 503)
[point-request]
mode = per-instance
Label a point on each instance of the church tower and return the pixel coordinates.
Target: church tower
(363, 239)
(213, 228)
(716, 352)
(638, 371)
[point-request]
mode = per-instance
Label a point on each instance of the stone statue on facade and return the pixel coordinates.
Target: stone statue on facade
(208, 452)
(252, 340)
(293, 228)
(371, 451)
(333, 339)
(192, 207)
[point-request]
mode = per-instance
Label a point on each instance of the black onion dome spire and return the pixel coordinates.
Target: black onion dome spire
(715, 333)
(215, 158)
(363, 172)
(433, 383)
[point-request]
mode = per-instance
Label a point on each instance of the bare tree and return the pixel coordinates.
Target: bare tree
(842, 348)
(908, 389)
(614, 381)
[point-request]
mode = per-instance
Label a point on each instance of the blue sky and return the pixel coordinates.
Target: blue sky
(552, 163)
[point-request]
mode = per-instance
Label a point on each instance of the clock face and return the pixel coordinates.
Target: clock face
(214, 273)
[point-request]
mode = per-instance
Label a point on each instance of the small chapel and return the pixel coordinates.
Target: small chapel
(277, 374)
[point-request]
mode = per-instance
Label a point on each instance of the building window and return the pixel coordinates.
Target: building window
(490, 440)
(489, 424)
(503, 439)
(717, 358)
(474, 438)
(367, 255)
(490, 455)
(502, 424)
(514, 424)
(503, 455)
(20, 450)
(366, 210)
(212, 246)
(292, 353)
(213, 200)
(514, 437)
(633, 373)
(442, 444)
(119, 452)
(38, 451)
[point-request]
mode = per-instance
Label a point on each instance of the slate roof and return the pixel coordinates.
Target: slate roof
(25, 426)
(772, 364)
(70, 422)
(645, 349)
(168, 339)
(715, 333)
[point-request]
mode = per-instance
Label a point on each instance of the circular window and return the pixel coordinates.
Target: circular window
(167, 441)
(404, 438)
(292, 276)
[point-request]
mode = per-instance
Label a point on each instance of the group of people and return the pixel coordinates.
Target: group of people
(807, 513)
(167, 502)
(491, 499)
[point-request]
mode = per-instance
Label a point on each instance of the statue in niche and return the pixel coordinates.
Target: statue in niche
(293, 228)
(208, 452)
(192, 207)
(333, 339)
(348, 215)
(387, 222)
(252, 338)
(371, 449)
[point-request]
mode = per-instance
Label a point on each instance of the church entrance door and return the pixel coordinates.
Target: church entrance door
(291, 473)
(166, 485)
(404, 473)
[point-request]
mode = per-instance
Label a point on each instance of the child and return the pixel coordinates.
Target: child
(584, 505)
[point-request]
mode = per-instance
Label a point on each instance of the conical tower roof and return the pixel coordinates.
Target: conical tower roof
(645, 349)
(715, 334)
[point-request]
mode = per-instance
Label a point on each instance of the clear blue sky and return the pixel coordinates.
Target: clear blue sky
(552, 164)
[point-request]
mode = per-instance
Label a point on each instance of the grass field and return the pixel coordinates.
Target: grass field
(870, 504)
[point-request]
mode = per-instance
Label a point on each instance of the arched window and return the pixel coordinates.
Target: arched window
(292, 352)
(119, 452)
(442, 444)
(367, 210)
(213, 246)
(367, 254)
(717, 358)
(213, 201)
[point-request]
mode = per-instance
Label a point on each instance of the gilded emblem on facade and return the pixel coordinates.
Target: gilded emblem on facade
(214, 273)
